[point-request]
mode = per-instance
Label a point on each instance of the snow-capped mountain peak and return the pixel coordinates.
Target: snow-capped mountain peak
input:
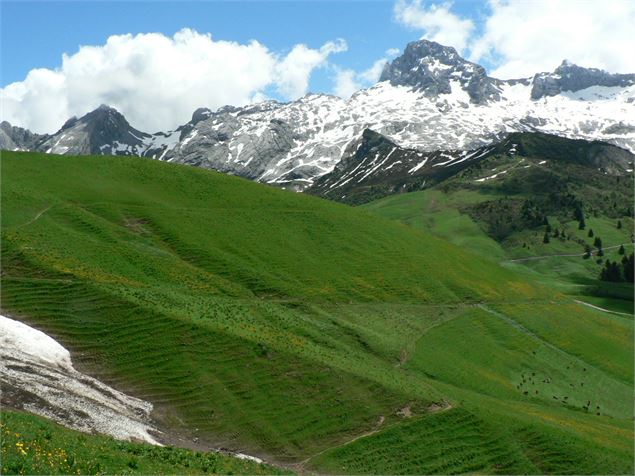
(571, 77)
(431, 68)
(428, 99)
(102, 131)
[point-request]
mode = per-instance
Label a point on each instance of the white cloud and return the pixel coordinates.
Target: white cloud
(436, 21)
(522, 38)
(519, 38)
(157, 81)
(348, 81)
(295, 70)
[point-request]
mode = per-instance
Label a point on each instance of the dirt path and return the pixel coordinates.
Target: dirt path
(380, 422)
(38, 215)
(602, 309)
(531, 258)
(434, 408)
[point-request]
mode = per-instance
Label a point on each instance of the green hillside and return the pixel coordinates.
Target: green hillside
(314, 335)
(33, 445)
(501, 208)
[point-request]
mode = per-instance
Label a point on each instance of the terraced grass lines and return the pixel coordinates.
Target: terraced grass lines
(285, 326)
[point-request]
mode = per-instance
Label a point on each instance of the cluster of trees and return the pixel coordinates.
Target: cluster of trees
(555, 233)
(619, 272)
(578, 214)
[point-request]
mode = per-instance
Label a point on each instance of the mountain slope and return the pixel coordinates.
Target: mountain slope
(33, 445)
(375, 166)
(17, 138)
(285, 326)
(428, 99)
(102, 131)
(538, 202)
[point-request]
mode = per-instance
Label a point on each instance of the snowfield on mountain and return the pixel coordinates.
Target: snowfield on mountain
(428, 99)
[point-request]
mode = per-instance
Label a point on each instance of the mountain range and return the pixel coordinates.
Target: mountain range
(376, 167)
(480, 323)
(428, 101)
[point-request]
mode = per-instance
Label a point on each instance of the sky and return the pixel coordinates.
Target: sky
(158, 61)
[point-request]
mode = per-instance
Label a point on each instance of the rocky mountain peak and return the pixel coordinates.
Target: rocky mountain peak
(571, 77)
(101, 131)
(201, 114)
(433, 69)
(429, 99)
(69, 123)
(104, 112)
(18, 138)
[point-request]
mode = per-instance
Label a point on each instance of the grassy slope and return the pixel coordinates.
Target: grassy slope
(287, 325)
(33, 445)
(442, 213)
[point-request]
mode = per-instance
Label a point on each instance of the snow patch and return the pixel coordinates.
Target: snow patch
(39, 370)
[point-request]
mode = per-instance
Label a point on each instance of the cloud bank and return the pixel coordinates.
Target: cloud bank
(523, 38)
(518, 38)
(157, 81)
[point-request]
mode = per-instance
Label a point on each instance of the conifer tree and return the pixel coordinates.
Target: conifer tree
(611, 272)
(628, 267)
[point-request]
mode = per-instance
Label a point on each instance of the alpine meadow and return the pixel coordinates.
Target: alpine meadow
(424, 270)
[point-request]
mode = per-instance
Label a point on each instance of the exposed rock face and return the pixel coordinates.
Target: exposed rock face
(374, 166)
(17, 138)
(429, 99)
(102, 131)
(270, 141)
(569, 77)
(209, 140)
(431, 68)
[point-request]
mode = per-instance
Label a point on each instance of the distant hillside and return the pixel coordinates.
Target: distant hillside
(375, 167)
(308, 333)
(537, 201)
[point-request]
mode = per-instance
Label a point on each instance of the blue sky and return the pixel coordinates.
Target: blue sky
(157, 61)
(35, 34)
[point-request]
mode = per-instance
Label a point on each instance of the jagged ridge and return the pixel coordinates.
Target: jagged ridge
(428, 99)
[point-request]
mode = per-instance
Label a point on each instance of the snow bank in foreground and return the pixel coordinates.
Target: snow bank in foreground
(37, 375)
(18, 337)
